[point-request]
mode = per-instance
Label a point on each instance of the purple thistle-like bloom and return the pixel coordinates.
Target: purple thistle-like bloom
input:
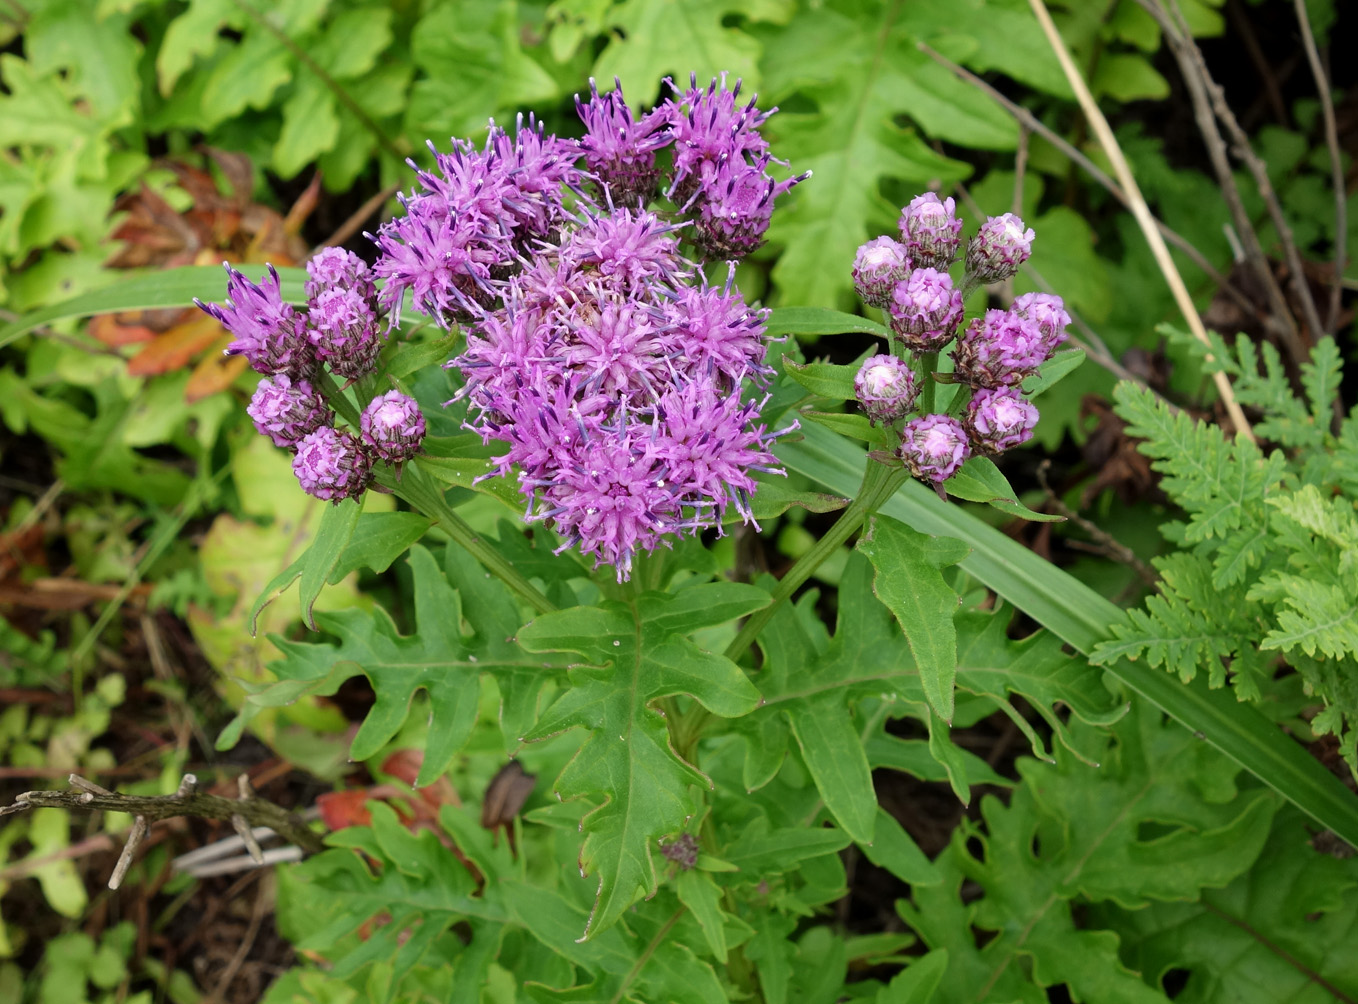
(711, 334)
(267, 331)
(931, 231)
(331, 464)
(342, 326)
(628, 248)
(442, 258)
(998, 419)
(1000, 349)
(616, 352)
(1048, 312)
(735, 205)
(878, 266)
(709, 128)
(710, 443)
(886, 389)
(925, 310)
(619, 150)
(338, 267)
(934, 447)
(537, 166)
(287, 410)
(392, 426)
(999, 248)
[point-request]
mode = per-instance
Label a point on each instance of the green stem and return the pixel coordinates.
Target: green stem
(879, 484)
(425, 495)
(646, 954)
(346, 408)
(928, 363)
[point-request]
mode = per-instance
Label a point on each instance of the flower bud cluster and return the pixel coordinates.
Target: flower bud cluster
(338, 329)
(909, 280)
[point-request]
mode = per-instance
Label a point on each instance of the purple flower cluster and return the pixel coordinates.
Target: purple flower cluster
(719, 179)
(909, 280)
(338, 328)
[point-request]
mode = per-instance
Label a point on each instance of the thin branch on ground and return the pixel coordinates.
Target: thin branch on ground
(356, 219)
(1105, 543)
(1140, 210)
(1341, 222)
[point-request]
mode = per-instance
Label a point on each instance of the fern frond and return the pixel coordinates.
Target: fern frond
(1320, 377)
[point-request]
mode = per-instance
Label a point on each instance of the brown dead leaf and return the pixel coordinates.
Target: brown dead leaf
(117, 330)
(215, 372)
(173, 349)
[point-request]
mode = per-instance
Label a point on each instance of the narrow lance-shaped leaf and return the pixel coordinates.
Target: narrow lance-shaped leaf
(632, 655)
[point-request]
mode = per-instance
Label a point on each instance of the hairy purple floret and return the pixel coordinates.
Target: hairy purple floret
(710, 126)
(392, 426)
(735, 205)
(287, 410)
(931, 231)
(1048, 312)
(998, 419)
(538, 167)
(628, 248)
(709, 333)
(1000, 349)
(444, 259)
(934, 447)
(332, 464)
(925, 310)
(620, 150)
(886, 389)
(342, 327)
(999, 248)
(338, 267)
(879, 265)
(264, 329)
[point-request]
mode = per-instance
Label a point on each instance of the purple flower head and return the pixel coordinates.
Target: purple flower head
(537, 166)
(934, 447)
(265, 330)
(286, 410)
(878, 266)
(735, 205)
(886, 389)
(998, 419)
(332, 464)
(612, 499)
(925, 310)
(343, 329)
(710, 444)
(628, 248)
(473, 184)
(999, 248)
(620, 151)
(712, 335)
(1048, 312)
(338, 267)
(1000, 349)
(683, 851)
(616, 352)
(443, 259)
(931, 231)
(710, 127)
(392, 427)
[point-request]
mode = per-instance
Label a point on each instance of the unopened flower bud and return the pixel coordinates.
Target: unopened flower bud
(338, 267)
(266, 330)
(332, 464)
(886, 389)
(999, 349)
(999, 419)
(1048, 312)
(286, 410)
(931, 231)
(998, 249)
(934, 447)
(343, 329)
(925, 310)
(393, 426)
(877, 267)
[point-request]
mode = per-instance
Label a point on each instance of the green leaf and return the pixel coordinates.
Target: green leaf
(378, 540)
(338, 523)
(700, 894)
(658, 38)
(176, 287)
(633, 655)
(437, 659)
(98, 55)
(245, 77)
(910, 582)
(917, 984)
(979, 480)
(826, 380)
(816, 321)
(1083, 618)
(893, 849)
(773, 498)
(1053, 371)
(858, 427)
(310, 126)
